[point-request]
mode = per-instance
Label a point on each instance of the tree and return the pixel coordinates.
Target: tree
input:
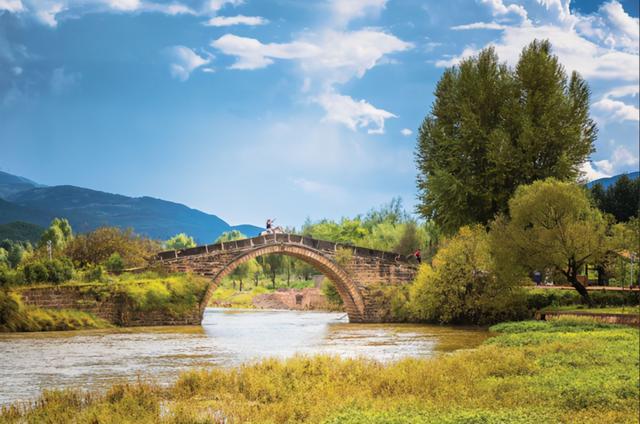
(622, 199)
(179, 242)
(462, 285)
(97, 246)
(552, 225)
(230, 236)
(272, 265)
(492, 129)
(59, 234)
(409, 241)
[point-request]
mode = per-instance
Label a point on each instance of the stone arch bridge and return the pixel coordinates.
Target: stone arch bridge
(360, 276)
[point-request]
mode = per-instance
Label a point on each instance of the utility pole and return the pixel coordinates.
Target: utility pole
(49, 249)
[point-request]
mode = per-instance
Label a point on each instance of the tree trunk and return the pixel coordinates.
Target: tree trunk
(572, 276)
(241, 284)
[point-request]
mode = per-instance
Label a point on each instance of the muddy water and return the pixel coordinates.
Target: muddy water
(31, 362)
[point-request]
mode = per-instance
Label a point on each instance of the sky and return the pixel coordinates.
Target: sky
(250, 109)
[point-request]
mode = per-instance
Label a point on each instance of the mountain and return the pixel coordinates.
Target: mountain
(88, 209)
(609, 181)
(21, 231)
(10, 184)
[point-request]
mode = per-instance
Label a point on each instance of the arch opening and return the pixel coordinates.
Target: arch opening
(346, 287)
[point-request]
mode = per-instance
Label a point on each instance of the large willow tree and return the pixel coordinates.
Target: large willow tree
(493, 128)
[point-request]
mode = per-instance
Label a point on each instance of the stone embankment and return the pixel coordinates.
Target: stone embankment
(309, 299)
(111, 306)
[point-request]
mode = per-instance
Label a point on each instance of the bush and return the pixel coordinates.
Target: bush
(462, 286)
(330, 291)
(544, 298)
(115, 263)
(48, 271)
(93, 273)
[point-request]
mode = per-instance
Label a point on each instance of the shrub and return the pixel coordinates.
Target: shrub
(330, 291)
(48, 271)
(35, 272)
(93, 273)
(97, 246)
(115, 263)
(344, 256)
(462, 286)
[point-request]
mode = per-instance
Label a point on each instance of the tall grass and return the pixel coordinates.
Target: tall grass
(532, 372)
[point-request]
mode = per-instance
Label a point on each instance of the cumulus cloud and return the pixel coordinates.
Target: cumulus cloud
(345, 11)
(220, 21)
(479, 25)
(406, 132)
(13, 6)
(327, 59)
(574, 40)
(498, 8)
(620, 160)
(617, 110)
(124, 5)
(215, 5)
(184, 61)
(353, 113)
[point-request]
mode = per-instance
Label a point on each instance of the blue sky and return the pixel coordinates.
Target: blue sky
(253, 109)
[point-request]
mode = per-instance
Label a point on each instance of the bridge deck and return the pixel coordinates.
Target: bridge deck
(250, 243)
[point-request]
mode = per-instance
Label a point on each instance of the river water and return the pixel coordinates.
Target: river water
(95, 359)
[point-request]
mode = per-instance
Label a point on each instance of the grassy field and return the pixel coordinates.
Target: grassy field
(532, 372)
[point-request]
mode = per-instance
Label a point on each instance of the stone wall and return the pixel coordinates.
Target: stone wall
(309, 299)
(103, 303)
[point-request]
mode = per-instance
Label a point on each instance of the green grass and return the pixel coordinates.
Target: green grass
(627, 310)
(533, 372)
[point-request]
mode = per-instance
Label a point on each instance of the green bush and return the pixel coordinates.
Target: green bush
(93, 273)
(48, 271)
(114, 263)
(545, 298)
(330, 291)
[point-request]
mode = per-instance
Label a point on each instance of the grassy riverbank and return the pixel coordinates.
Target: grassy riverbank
(532, 372)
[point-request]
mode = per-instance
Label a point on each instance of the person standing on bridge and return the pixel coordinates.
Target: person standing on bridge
(270, 225)
(418, 255)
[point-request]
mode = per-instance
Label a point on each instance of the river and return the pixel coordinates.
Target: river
(95, 359)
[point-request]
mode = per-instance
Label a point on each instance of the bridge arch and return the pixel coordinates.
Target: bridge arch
(346, 287)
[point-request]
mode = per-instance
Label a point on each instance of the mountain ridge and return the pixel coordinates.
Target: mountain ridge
(87, 209)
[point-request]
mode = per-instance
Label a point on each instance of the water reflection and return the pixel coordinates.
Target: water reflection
(32, 362)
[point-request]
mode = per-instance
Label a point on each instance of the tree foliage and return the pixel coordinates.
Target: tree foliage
(180, 241)
(462, 285)
(230, 236)
(97, 246)
(492, 129)
(622, 199)
(59, 234)
(552, 225)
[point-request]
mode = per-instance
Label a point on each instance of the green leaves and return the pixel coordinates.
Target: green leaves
(492, 129)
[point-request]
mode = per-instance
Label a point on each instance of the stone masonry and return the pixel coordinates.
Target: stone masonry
(359, 274)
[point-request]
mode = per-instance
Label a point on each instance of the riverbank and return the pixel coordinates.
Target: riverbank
(532, 372)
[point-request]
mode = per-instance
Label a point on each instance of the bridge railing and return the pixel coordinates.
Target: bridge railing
(258, 241)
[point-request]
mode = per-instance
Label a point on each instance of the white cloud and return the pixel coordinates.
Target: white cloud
(220, 21)
(498, 8)
(124, 5)
(345, 11)
(617, 110)
(574, 51)
(47, 13)
(215, 5)
(621, 159)
(252, 54)
(479, 25)
(61, 80)
(406, 132)
(590, 173)
(12, 6)
(354, 114)
(624, 91)
(626, 24)
(327, 58)
(185, 61)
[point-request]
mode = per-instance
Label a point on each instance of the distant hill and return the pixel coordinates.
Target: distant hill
(21, 231)
(606, 182)
(248, 230)
(88, 209)
(10, 184)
